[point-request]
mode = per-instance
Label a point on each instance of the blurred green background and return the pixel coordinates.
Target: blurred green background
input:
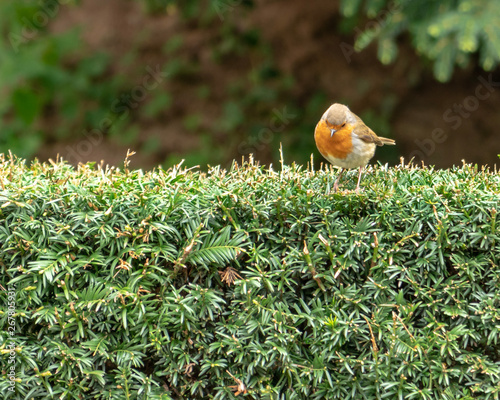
(212, 81)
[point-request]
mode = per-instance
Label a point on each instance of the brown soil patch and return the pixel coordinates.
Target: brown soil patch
(306, 44)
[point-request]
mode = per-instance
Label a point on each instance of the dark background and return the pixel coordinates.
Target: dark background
(212, 81)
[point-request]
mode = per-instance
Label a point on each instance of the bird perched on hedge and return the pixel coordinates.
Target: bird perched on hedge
(345, 141)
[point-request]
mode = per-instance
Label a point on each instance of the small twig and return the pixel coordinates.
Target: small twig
(312, 270)
(374, 343)
(126, 163)
(404, 326)
(229, 275)
(240, 387)
(180, 261)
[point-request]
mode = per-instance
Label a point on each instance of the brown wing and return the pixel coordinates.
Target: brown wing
(367, 135)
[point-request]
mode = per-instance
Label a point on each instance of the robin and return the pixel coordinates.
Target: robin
(345, 141)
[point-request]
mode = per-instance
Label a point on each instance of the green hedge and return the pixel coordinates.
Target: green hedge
(249, 283)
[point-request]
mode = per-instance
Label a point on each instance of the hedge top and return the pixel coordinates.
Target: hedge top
(250, 282)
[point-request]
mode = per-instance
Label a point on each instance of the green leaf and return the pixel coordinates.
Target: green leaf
(349, 7)
(26, 104)
(443, 66)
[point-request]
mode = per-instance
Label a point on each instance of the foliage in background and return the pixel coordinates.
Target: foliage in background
(54, 88)
(250, 283)
(51, 88)
(450, 33)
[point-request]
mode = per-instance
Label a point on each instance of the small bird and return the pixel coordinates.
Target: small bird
(345, 141)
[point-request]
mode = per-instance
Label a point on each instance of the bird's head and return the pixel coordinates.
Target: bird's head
(337, 116)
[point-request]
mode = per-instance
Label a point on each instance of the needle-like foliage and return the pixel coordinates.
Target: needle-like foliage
(449, 33)
(249, 283)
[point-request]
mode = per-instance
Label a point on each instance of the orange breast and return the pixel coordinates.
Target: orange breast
(339, 145)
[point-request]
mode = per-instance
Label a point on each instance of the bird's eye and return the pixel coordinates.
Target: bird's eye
(342, 125)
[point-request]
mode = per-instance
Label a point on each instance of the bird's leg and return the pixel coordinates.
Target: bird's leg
(359, 179)
(336, 184)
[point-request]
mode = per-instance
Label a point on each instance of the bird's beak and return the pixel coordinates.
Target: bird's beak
(332, 131)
